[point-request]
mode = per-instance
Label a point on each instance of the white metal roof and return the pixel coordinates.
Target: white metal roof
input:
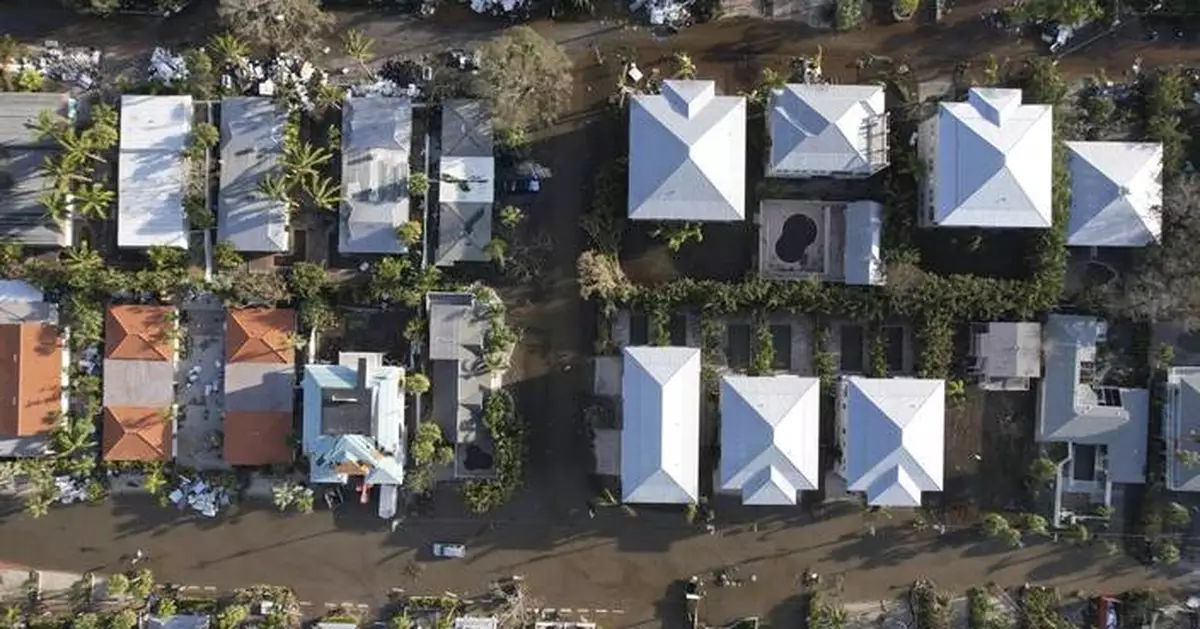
(818, 129)
(152, 175)
(994, 162)
(467, 180)
(660, 438)
(895, 438)
(863, 261)
(376, 139)
(770, 437)
(687, 154)
(1116, 194)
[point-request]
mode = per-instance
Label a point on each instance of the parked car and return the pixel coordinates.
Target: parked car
(449, 551)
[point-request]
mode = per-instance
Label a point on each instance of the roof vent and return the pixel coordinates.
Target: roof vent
(689, 97)
(995, 105)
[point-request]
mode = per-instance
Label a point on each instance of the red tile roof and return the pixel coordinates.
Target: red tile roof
(30, 379)
(257, 437)
(136, 434)
(260, 335)
(139, 333)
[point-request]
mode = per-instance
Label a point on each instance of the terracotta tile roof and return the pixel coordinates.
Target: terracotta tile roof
(139, 333)
(257, 437)
(260, 335)
(136, 434)
(30, 379)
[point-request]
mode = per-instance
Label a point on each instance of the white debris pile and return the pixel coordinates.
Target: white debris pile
(663, 12)
(199, 496)
(89, 360)
(77, 66)
(499, 7)
(70, 490)
(384, 87)
(287, 76)
(166, 67)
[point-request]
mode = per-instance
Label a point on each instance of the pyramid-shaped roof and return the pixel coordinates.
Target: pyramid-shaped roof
(687, 154)
(139, 332)
(260, 335)
(660, 439)
(994, 162)
(1116, 194)
(136, 434)
(895, 438)
(818, 129)
(770, 436)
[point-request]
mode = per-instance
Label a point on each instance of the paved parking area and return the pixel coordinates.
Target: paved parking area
(200, 381)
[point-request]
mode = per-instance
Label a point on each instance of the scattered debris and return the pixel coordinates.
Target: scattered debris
(77, 66)
(510, 8)
(672, 13)
(71, 490)
(167, 68)
(286, 76)
(199, 496)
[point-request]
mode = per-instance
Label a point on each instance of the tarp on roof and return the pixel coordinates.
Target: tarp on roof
(994, 162)
(895, 438)
(687, 154)
(251, 147)
(770, 437)
(152, 174)
(376, 140)
(660, 439)
(827, 129)
(1116, 194)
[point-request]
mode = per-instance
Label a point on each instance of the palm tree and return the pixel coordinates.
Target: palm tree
(228, 48)
(497, 251)
(154, 481)
(71, 435)
(37, 505)
(62, 173)
(48, 126)
(358, 47)
(684, 67)
(325, 194)
(276, 188)
(304, 160)
(58, 208)
(94, 200)
(82, 258)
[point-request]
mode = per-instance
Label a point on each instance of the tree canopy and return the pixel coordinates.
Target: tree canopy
(528, 78)
(285, 25)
